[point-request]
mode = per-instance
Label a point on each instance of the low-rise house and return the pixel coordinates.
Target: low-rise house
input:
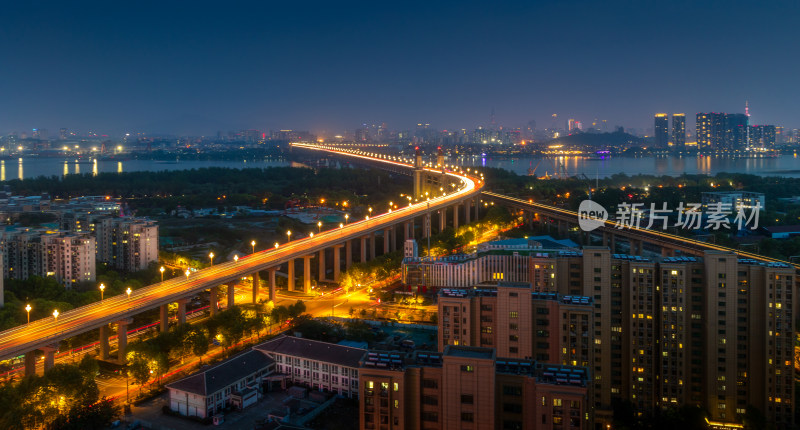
(234, 383)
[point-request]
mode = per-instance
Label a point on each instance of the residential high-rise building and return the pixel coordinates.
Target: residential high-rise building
(678, 131)
(721, 131)
(469, 387)
(661, 130)
(763, 136)
(712, 331)
(68, 257)
(128, 244)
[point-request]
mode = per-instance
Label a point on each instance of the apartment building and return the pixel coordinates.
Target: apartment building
(128, 244)
(468, 387)
(318, 365)
(713, 331)
(68, 257)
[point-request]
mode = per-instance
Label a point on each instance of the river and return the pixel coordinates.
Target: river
(33, 167)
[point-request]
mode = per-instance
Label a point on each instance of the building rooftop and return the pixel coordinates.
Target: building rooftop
(313, 350)
(469, 352)
(636, 258)
(221, 375)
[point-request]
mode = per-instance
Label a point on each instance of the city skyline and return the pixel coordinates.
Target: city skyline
(169, 69)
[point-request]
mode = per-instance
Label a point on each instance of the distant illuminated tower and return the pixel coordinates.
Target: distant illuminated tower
(679, 131)
(661, 130)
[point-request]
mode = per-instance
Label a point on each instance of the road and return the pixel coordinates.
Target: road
(25, 338)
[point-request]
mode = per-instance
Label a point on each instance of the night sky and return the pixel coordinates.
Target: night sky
(195, 67)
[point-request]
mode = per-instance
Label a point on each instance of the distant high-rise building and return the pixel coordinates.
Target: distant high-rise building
(362, 134)
(763, 136)
(721, 131)
(62, 133)
(679, 131)
(661, 130)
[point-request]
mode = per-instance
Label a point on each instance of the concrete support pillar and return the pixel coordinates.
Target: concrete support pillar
(348, 254)
(122, 338)
(372, 246)
(455, 216)
(212, 298)
(164, 317)
(426, 225)
(408, 230)
(387, 240)
(363, 249)
(337, 261)
(290, 275)
(307, 273)
(30, 363)
(477, 204)
(442, 219)
(256, 285)
(231, 294)
(104, 348)
(613, 244)
(272, 283)
(321, 271)
(182, 311)
(466, 211)
(49, 357)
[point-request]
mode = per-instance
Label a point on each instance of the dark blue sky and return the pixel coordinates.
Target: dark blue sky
(172, 66)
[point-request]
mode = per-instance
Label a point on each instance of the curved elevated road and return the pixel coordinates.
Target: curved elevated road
(47, 331)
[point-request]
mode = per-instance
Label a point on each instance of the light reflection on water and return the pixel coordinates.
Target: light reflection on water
(35, 167)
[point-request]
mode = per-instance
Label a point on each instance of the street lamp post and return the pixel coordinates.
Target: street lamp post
(102, 289)
(276, 245)
(319, 225)
(187, 273)
(28, 310)
(129, 291)
(288, 236)
(236, 258)
(211, 258)
(346, 216)
(162, 273)
(253, 244)
(370, 211)
(55, 315)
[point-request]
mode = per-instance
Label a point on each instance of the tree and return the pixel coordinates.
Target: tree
(88, 416)
(199, 342)
(139, 370)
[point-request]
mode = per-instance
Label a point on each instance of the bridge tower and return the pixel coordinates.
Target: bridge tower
(440, 159)
(419, 174)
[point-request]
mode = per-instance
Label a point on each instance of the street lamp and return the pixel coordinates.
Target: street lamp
(341, 225)
(162, 273)
(236, 258)
(253, 244)
(370, 211)
(211, 257)
(276, 244)
(346, 216)
(102, 288)
(28, 310)
(55, 315)
(311, 234)
(288, 236)
(129, 291)
(319, 224)
(187, 272)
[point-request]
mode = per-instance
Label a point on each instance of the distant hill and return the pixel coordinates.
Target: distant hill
(615, 139)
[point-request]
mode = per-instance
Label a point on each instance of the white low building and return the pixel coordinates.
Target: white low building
(318, 365)
(234, 382)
